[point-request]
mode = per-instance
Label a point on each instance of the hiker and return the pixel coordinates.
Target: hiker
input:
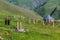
(7, 21)
(20, 27)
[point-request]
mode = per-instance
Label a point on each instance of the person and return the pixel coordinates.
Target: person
(20, 28)
(7, 21)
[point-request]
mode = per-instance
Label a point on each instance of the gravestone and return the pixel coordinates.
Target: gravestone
(20, 27)
(22, 17)
(29, 20)
(17, 24)
(34, 21)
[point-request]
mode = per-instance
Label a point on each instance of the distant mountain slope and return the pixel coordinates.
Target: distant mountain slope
(28, 4)
(48, 8)
(12, 9)
(51, 5)
(42, 7)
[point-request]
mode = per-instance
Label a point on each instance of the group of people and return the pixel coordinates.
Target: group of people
(19, 25)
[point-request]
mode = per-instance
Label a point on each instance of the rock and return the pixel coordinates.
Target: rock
(1, 38)
(7, 33)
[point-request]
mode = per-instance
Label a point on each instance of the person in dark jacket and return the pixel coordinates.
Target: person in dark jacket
(7, 20)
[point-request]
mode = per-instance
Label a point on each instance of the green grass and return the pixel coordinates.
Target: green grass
(37, 31)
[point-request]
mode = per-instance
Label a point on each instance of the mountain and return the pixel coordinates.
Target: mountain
(28, 4)
(48, 8)
(42, 7)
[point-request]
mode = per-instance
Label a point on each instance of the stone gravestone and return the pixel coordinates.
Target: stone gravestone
(22, 17)
(29, 20)
(20, 27)
(34, 21)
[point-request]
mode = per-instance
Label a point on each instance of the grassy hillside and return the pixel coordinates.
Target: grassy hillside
(12, 9)
(52, 4)
(36, 31)
(48, 8)
(43, 10)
